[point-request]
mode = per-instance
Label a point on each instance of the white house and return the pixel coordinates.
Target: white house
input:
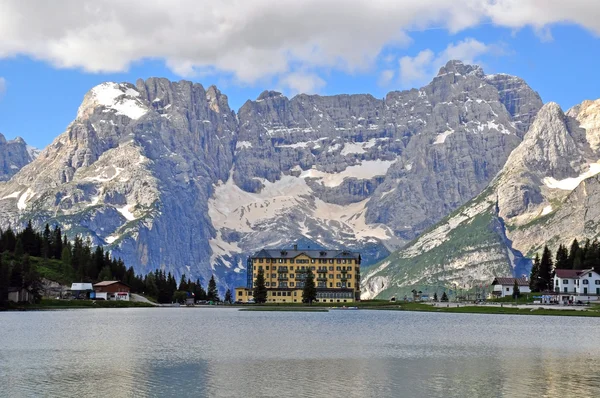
(503, 287)
(577, 285)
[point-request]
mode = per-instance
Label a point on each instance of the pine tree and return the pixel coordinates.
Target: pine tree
(516, 291)
(546, 268)
(183, 284)
(57, 243)
(573, 253)
(435, 297)
(212, 293)
(579, 258)
(199, 291)
(535, 274)
(105, 274)
(260, 291)
(46, 242)
(309, 292)
(562, 258)
(19, 249)
(444, 297)
(4, 281)
(228, 296)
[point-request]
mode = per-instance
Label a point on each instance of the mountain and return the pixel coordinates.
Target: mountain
(14, 154)
(545, 194)
(168, 176)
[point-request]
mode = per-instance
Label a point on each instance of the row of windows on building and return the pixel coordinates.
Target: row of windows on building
(301, 284)
(585, 282)
(585, 290)
(303, 269)
(302, 261)
(317, 300)
(321, 295)
(301, 276)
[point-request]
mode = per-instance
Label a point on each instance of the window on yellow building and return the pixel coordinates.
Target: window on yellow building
(291, 284)
(349, 268)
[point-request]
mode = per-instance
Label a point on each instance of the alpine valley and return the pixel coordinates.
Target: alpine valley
(451, 183)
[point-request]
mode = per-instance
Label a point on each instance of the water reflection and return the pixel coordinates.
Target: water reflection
(225, 353)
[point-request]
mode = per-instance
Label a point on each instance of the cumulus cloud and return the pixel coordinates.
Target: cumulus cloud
(253, 40)
(422, 67)
(386, 77)
(300, 82)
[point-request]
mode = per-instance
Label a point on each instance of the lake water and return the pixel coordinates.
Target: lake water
(217, 352)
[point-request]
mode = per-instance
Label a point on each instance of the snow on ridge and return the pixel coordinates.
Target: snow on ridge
(22, 202)
(13, 195)
(570, 183)
(118, 97)
(126, 212)
(546, 210)
(441, 138)
(363, 171)
(33, 152)
(243, 145)
(231, 207)
(360, 147)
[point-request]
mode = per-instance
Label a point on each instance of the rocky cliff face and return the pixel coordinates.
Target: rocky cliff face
(545, 194)
(14, 154)
(168, 176)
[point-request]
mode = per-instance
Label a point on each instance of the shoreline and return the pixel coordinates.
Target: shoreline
(456, 308)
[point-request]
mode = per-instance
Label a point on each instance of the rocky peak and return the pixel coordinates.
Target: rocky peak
(115, 98)
(269, 94)
(458, 67)
(588, 115)
(14, 155)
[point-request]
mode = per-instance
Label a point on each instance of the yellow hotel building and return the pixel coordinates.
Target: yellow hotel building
(336, 274)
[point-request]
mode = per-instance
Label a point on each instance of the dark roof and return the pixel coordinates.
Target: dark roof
(284, 253)
(108, 283)
(510, 281)
(571, 273)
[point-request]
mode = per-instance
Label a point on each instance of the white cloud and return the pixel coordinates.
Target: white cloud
(299, 82)
(253, 40)
(2, 86)
(386, 77)
(416, 69)
(421, 68)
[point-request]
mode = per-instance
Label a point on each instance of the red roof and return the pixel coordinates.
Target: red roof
(571, 273)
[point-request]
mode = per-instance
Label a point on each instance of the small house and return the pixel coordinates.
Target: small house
(112, 290)
(503, 287)
(81, 290)
(19, 295)
(571, 285)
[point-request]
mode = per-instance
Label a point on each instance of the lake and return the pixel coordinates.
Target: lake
(220, 352)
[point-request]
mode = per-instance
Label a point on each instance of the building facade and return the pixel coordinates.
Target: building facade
(336, 275)
(112, 290)
(503, 287)
(576, 285)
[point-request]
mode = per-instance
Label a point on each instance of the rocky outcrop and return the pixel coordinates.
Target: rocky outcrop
(546, 194)
(168, 176)
(14, 154)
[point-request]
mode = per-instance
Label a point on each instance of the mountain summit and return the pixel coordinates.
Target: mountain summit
(169, 177)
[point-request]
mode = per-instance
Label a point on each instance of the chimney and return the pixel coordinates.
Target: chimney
(295, 247)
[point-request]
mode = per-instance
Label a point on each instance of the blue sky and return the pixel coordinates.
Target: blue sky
(41, 93)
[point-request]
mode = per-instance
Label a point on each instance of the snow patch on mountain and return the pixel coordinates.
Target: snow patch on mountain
(120, 98)
(441, 138)
(364, 171)
(569, 184)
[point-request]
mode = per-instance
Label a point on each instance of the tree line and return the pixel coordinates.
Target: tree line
(78, 260)
(576, 257)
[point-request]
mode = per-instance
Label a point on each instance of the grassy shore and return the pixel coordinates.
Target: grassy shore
(50, 304)
(593, 311)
